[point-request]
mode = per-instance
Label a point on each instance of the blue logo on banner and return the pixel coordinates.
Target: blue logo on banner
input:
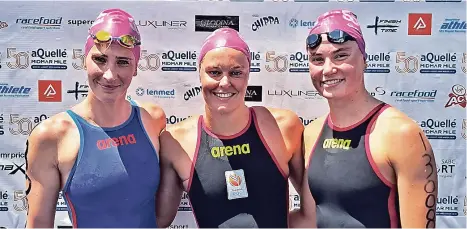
(14, 91)
(453, 25)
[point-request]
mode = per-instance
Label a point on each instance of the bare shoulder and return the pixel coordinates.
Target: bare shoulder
(400, 135)
(48, 134)
(52, 129)
(396, 124)
(185, 128)
(285, 118)
(311, 134)
(153, 117)
(153, 109)
(178, 138)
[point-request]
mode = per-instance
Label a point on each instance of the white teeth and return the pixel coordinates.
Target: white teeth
(223, 95)
(332, 81)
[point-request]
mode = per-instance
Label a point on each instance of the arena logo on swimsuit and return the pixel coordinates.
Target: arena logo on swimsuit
(220, 151)
(115, 142)
(336, 143)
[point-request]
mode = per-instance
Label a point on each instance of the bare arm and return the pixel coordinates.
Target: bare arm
(291, 130)
(42, 176)
(170, 190)
(417, 179)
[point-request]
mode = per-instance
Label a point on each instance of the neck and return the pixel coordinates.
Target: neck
(106, 114)
(226, 124)
(351, 109)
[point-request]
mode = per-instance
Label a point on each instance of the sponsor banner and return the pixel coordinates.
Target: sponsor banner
(416, 61)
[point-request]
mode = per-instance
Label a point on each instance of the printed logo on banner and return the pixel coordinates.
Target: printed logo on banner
(13, 155)
(78, 59)
(457, 96)
(2, 123)
(448, 206)
(80, 90)
(384, 25)
(16, 91)
(4, 197)
(416, 95)
(169, 24)
(255, 62)
(173, 61)
(184, 203)
(50, 90)
(192, 92)
(17, 200)
(453, 25)
(40, 23)
(79, 22)
(464, 61)
(177, 226)
(263, 21)
(429, 63)
(40, 58)
(305, 121)
(209, 23)
(295, 62)
(301, 94)
(378, 63)
(149, 62)
(299, 23)
(446, 168)
(61, 204)
(276, 63)
(3, 25)
(254, 94)
(294, 202)
(465, 205)
(464, 129)
(419, 24)
(161, 94)
(12, 168)
(21, 125)
(172, 119)
(439, 129)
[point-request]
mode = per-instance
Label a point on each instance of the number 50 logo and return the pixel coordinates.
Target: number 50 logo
(276, 63)
(20, 59)
(406, 64)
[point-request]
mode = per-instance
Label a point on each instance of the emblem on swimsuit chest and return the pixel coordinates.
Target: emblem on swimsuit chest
(236, 184)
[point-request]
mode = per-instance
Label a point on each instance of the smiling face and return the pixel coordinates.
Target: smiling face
(110, 71)
(336, 70)
(224, 77)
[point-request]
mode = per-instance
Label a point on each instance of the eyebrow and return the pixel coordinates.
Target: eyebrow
(333, 52)
(233, 68)
(118, 57)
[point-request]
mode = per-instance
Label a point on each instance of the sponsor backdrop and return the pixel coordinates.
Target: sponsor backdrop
(416, 62)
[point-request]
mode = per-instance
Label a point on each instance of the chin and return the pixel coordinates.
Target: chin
(109, 97)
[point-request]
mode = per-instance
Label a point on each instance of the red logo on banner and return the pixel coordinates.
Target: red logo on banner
(457, 96)
(50, 90)
(419, 24)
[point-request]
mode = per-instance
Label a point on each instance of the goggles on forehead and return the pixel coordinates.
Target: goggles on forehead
(336, 37)
(126, 41)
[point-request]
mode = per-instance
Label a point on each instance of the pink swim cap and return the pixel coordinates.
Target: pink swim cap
(117, 22)
(343, 20)
(224, 37)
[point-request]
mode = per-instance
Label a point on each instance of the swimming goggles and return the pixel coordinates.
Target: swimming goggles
(336, 37)
(126, 41)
